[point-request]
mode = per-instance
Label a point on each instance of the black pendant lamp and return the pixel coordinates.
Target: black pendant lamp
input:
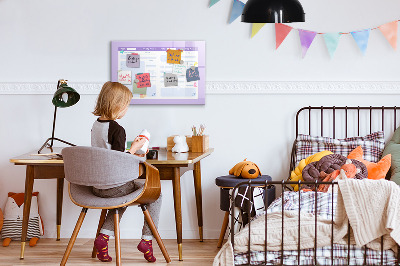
(273, 11)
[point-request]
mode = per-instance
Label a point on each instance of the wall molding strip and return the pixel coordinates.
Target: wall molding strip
(231, 87)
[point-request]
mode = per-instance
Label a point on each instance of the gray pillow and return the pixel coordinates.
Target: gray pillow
(393, 148)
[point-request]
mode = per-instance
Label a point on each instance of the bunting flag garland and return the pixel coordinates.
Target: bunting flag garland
(281, 31)
(361, 37)
(332, 41)
(213, 2)
(237, 9)
(306, 39)
(389, 30)
(256, 27)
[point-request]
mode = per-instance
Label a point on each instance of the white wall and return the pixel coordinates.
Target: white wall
(42, 41)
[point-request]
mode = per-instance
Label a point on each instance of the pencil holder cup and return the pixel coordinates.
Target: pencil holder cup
(200, 143)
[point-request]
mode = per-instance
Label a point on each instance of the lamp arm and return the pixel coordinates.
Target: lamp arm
(54, 126)
(54, 119)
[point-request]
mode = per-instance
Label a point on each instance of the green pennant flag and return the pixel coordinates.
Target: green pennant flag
(332, 41)
(213, 2)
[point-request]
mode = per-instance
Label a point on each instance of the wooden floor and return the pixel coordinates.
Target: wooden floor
(50, 252)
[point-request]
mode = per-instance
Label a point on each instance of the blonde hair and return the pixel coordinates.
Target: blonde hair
(112, 99)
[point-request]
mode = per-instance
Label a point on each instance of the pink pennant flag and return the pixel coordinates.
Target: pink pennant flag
(306, 39)
(389, 30)
(281, 31)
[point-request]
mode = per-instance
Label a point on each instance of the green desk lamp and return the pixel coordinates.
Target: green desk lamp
(65, 96)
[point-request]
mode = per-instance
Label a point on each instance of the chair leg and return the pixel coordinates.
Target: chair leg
(101, 222)
(117, 239)
(73, 237)
(223, 229)
(154, 230)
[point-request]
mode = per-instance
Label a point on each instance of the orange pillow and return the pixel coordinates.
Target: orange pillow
(375, 170)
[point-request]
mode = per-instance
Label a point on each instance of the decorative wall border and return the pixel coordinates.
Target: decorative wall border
(232, 87)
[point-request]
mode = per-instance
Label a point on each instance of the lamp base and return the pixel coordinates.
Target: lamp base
(50, 146)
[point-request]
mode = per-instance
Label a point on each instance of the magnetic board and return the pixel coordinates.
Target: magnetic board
(160, 72)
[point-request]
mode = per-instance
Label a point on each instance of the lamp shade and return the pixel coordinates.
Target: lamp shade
(65, 96)
(273, 11)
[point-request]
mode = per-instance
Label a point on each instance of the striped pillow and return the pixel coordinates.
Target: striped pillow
(372, 145)
(13, 228)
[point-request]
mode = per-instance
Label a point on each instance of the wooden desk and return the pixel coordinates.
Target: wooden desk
(171, 167)
(40, 167)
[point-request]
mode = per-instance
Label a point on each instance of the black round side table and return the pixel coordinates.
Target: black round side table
(228, 182)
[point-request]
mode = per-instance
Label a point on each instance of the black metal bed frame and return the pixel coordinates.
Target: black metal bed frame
(283, 184)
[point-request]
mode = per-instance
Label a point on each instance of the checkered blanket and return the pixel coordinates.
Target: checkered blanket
(372, 145)
(324, 206)
(321, 205)
(324, 257)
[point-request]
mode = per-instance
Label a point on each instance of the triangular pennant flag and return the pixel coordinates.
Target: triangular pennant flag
(281, 31)
(237, 9)
(390, 32)
(255, 28)
(361, 37)
(213, 2)
(332, 41)
(306, 39)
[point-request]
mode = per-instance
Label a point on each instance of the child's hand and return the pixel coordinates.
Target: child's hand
(137, 144)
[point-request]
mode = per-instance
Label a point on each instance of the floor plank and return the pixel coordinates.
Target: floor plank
(49, 252)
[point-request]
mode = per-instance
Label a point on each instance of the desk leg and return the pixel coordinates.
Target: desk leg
(27, 206)
(60, 190)
(176, 183)
(199, 204)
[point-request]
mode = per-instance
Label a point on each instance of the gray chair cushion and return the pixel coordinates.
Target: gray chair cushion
(84, 196)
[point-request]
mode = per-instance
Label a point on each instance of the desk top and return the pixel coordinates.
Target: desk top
(164, 157)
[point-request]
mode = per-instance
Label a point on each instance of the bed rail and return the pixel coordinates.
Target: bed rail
(343, 119)
(336, 122)
(265, 185)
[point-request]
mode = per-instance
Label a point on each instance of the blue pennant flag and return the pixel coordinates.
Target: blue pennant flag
(237, 9)
(213, 2)
(332, 41)
(361, 38)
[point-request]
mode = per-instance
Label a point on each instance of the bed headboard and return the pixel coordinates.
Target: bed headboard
(344, 121)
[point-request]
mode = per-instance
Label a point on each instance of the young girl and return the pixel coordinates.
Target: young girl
(112, 104)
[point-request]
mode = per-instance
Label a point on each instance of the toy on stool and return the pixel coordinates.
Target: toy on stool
(245, 169)
(13, 215)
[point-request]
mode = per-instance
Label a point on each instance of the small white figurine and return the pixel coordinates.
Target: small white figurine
(180, 144)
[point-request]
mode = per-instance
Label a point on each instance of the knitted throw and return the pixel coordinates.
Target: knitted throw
(373, 209)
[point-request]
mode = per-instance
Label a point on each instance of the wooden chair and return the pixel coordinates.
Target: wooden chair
(85, 167)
